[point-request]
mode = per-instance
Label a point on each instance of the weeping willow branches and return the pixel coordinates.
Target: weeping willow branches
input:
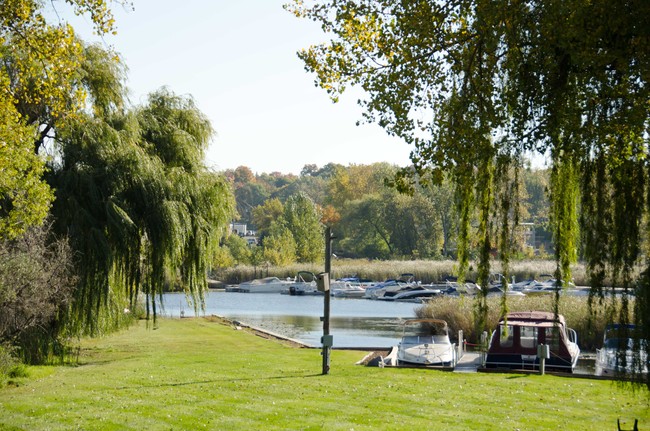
(139, 206)
(477, 84)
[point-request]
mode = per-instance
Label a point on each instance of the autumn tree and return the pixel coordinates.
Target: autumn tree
(475, 85)
(264, 215)
(42, 80)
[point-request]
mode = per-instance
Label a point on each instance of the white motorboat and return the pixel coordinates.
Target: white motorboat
(623, 353)
(417, 293)
(344, 288)
(265, 285)
(426, 342)
(391, 285)
(304, 285)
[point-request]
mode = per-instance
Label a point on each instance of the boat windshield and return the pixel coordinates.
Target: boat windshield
(619, 343)
(426, 328)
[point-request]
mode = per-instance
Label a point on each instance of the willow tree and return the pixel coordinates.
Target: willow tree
(141, 209)
(474, 85)
(40, 66)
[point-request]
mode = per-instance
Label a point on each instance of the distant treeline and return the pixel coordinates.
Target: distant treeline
(369, 217)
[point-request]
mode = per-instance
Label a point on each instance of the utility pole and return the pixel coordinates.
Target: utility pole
(323, 281)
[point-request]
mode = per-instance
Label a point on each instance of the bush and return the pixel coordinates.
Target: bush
(10, 366)
(36, 283)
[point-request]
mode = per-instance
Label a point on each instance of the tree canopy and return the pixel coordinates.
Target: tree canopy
(133, 196)
(139, 205)
(42, 80)
(474, 85)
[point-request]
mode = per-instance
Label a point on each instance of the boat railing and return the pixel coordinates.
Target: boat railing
(460, 347)
(573, 337)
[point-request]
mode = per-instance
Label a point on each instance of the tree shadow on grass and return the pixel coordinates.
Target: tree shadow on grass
(220, 380)
(518, 376)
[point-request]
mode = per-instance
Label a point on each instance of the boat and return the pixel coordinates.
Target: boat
(417, 293)
(350, 287)
(303, 285)
(265, 285)
(550, 285)
(623, 353)
(514, 342)
(453, 288)
(426, 342)
(498, 291)
(390, 285)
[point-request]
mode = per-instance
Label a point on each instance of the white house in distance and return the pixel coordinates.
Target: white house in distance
(241, 230)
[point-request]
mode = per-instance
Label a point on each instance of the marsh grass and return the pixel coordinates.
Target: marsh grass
(194, 374)
(426, 271)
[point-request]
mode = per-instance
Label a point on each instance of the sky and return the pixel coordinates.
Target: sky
(238, 61)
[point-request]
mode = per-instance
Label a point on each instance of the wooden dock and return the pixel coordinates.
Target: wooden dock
(469, 363)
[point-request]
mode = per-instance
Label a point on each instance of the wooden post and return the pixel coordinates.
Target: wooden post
(542, 354)
(327, 338)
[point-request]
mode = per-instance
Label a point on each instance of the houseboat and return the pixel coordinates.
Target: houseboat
(514, 343)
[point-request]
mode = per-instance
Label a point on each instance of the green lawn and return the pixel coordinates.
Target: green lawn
(194, 374)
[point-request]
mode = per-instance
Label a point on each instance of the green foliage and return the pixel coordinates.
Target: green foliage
(264, 215)
(373, 221)
(44, 79)
(280, 247)
(36, 285)
(239, 248)
(7, 362)
(564, 221)
(24, 197)
(302, 219)
(362, 229)
(223, 258)
(138, 204)
(470, 83)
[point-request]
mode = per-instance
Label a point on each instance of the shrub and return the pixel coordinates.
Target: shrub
(7, 363)
(36, 283)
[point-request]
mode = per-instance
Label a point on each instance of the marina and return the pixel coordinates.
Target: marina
(353, 322)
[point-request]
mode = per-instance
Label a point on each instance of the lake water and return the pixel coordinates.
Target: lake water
(361, 323)
(353, 322)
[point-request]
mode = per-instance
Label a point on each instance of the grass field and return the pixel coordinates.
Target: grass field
(193, 374)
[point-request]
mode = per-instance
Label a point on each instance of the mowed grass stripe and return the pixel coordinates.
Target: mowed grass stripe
(200, 374)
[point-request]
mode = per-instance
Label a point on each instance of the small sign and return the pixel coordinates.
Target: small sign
(323, 282)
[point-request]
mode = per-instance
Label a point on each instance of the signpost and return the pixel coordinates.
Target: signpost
(323, 283)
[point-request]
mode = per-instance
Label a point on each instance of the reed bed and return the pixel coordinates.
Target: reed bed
(426, 271)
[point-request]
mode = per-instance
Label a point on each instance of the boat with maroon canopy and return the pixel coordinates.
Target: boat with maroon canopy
(514, 342)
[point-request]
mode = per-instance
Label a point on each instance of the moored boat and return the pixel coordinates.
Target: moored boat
(391, 285)
(417, 293)
(304, 285)
(516, 338)
(624, 352)
(426, 342)
(265, 285)
(347, 288)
